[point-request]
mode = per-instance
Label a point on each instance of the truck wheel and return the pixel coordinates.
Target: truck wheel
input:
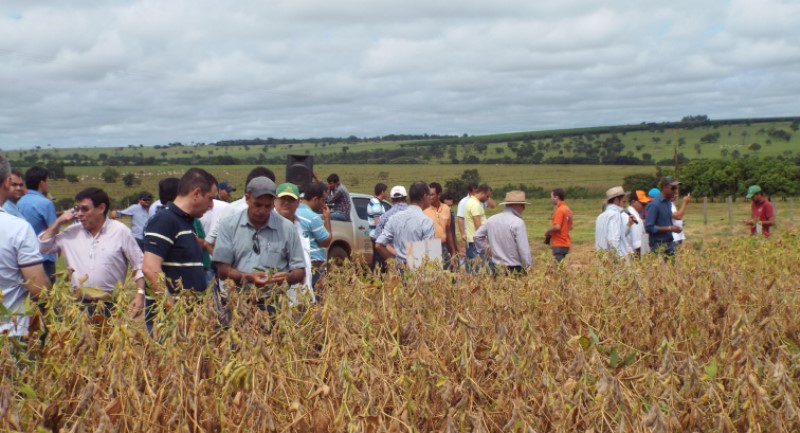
(337, 255)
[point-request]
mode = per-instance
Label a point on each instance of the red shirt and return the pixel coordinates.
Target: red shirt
(762, 212)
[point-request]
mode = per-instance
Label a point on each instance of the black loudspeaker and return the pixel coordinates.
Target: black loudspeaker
(299, 169)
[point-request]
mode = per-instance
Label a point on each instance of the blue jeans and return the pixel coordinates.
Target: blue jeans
(339, 216)
(666, 248)
(475, 260)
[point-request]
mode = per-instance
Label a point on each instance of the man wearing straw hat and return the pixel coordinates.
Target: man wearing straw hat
(613, 226)
(506, 237)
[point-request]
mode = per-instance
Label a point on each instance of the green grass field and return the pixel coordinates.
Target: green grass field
(659, 144)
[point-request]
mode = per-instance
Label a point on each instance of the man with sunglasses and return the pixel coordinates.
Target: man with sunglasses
(98, 251)
(257, 247)
(139, 213)
(658, 222)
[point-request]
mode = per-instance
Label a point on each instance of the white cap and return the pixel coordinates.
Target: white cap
(398, 191)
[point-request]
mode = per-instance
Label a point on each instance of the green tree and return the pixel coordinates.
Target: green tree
(130, 179)
(110, 175)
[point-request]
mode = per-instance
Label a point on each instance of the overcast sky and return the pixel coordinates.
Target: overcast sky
(113, 73)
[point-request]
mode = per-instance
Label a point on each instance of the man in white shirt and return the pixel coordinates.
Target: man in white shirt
(21, 270)
(613, 226)
(98, 252)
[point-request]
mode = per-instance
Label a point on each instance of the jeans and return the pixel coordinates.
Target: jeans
(339, 216)
(475, 259)
(559, 253)
(666, 248)
(377, 260)
(50, 270)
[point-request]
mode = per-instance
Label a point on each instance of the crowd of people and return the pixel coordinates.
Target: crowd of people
(196, 237)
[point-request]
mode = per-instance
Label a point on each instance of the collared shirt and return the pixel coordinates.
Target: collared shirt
(677, 223)
(638, 234)
(170, 235)
(562, 216)
(139, 216)
(474, 208)
(233, 208)
(411, 225)
(154, 207)
(441, 220)
(339, 200)
(211, 217)
(40, 212)
(462, 206)
(612, 232)
(18, 249)
(12, 209)
(313, 229)
(659, 214)
(375, 209)
(384, 219)
(100, 261)
(508, 238)
(281, 249)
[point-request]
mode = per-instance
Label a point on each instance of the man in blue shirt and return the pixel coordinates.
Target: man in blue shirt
(316, 228)
(658, 222)
(17, 191)
(39, 211)
(139, 213)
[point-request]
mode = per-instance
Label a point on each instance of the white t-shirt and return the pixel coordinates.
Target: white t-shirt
(638, 234)
(677, 223)
(232, 208)
(305, 286)
(18, 247)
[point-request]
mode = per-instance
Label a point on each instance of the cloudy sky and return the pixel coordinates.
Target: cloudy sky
(112, 73)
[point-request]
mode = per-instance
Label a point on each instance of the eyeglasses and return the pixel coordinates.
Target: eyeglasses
(256, 245)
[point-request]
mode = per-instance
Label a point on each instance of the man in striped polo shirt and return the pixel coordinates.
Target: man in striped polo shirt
(170, 246)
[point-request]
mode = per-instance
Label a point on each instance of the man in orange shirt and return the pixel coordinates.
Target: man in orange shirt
(558, 234)
(440, 214)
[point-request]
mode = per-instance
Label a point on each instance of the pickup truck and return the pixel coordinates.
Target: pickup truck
(351, 239)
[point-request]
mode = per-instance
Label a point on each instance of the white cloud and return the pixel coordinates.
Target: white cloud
(149, 71)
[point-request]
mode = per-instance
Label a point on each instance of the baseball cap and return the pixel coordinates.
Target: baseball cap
(642, 197)
(398, 191)
(654, 192)
(145, 194)
(226, 186)
(260, 186)
(668, 180)
(288, 189)
(753, 190)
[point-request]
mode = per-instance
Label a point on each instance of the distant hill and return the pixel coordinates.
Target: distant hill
(694, 137)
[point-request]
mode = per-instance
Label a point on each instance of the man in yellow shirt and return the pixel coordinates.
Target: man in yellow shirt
(474, 217)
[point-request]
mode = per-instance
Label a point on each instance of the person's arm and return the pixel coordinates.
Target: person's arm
(557, 220)
(297, 261)
(476, 220)
(382, 243)
(462, 228)
(449, 241)
(47, 240)
(151, 268)
(523, 245)
(326, 222)
(481, 238)
(490, 203)
(36, 281)
(678, 215)
(650, 222)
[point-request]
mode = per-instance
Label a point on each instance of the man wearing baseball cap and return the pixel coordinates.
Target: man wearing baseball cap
(287, 204)
(225, 190)
(762, 212)
(398, 196)
(639, 240)
(658, 221)
(255, 248)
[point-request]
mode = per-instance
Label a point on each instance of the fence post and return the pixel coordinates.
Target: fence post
(705, 211)
(729, 199)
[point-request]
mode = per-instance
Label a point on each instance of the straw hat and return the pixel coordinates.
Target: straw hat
(614, 192)
(515, 197)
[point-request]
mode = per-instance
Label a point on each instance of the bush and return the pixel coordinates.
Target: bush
(110, 175)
